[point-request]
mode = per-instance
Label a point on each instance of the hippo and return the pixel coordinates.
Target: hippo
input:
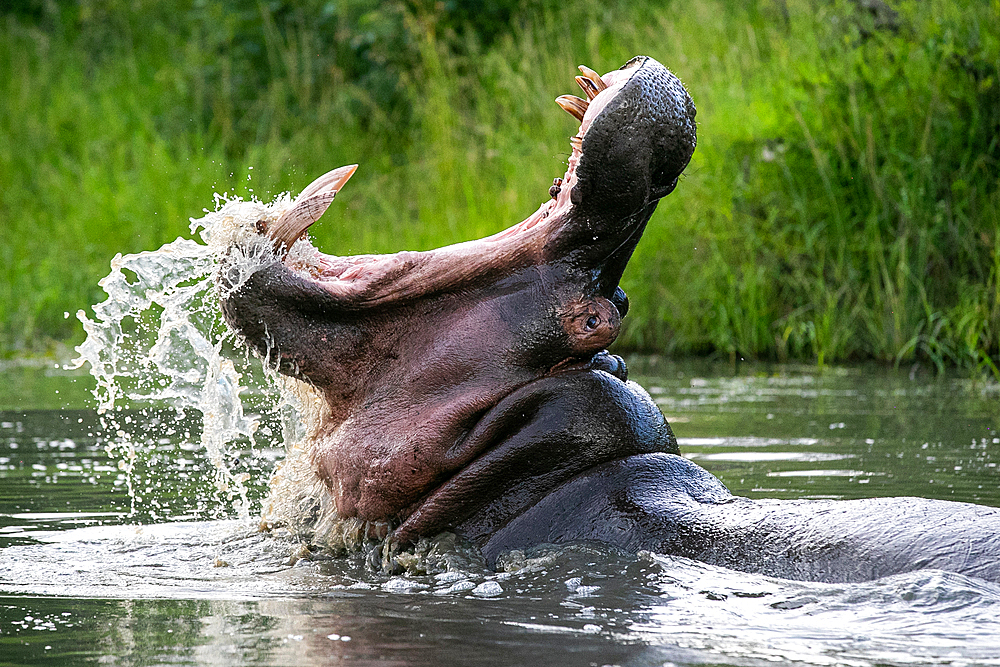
(469, 388)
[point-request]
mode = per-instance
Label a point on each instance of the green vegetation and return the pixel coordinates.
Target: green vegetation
(844, 200)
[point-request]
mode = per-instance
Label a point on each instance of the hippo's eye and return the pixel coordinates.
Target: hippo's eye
(592, 322)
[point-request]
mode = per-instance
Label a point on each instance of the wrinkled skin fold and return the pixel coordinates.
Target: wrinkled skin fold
(468, 388)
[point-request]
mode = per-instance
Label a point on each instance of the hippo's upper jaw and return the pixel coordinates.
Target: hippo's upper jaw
(636, 137)
(415, 351)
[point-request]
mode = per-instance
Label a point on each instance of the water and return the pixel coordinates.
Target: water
(85, 577)
(131, 501)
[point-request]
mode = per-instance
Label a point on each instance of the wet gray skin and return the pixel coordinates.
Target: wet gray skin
(468, 388)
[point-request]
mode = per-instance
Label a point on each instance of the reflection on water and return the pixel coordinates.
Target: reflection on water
(183, 579)
(930, 437)
(217, 591)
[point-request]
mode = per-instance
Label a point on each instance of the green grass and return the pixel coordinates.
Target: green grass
(843, 203)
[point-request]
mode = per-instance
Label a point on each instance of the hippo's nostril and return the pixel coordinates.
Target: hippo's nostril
(620, 301)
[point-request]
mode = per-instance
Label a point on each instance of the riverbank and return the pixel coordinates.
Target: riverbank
(843, 202)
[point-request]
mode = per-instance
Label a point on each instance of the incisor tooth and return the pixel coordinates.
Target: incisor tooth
(573, 105)
(588, 87)
(594, 77)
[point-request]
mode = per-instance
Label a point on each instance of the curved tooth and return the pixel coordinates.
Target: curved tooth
(308, 207)
(588, 87)
(333, 179)
(594, 78)
(573, 105)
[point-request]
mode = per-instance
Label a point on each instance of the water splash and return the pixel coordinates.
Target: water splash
(159, 339)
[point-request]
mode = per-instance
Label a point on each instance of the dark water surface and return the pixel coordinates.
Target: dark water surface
(156, 567)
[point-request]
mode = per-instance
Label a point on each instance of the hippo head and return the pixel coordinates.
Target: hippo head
(416, 353)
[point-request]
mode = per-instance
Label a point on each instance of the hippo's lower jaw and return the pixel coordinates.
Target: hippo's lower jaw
(466, 388)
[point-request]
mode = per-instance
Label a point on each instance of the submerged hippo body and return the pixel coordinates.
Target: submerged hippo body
(468, 388)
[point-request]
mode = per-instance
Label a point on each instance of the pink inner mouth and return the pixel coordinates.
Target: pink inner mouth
(372, 278)
(613, 82)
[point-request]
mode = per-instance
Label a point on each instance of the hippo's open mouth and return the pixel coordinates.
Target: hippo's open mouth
(615, 163)
(425, 358)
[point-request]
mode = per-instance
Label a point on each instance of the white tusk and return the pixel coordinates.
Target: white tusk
(307, 208)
